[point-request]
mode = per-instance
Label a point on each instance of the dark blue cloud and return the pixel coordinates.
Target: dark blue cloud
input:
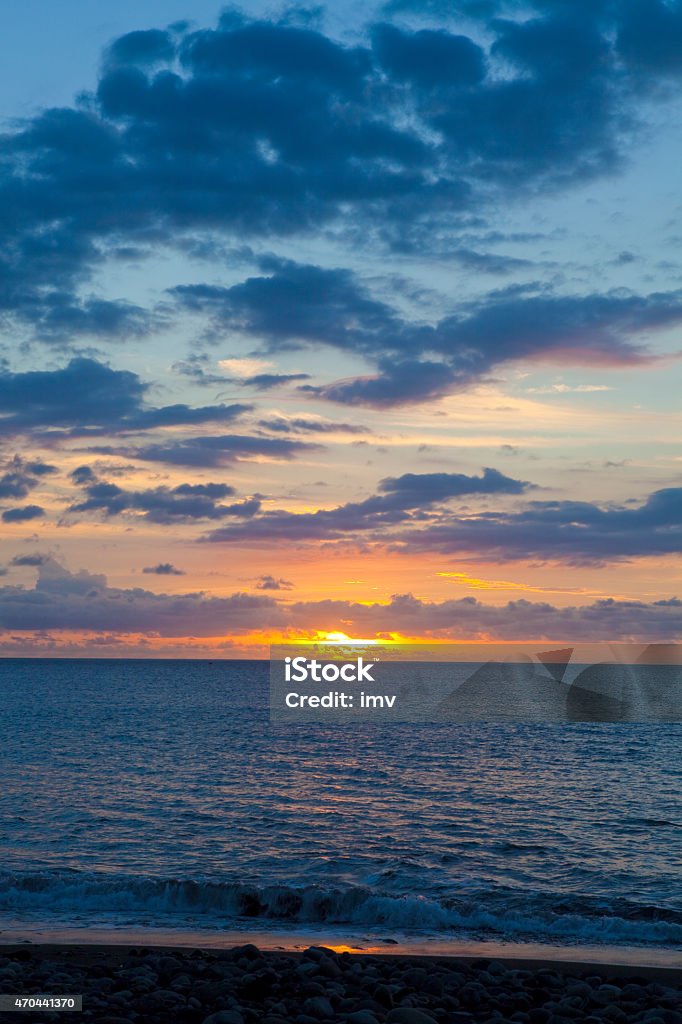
(22, 515)
(301, 424)
(212, 491)
(650, 37)
(213, 450)
(259, 128)
(409, 514)
(399, 382)
(402, 499)
(295, 305)
(272, 52)
(30, 560)
(488, 262)
(181, 414)
(83, 475)
(142, 48)
(86, 397)
(21, 476)
(266, 381)
(163, 569)
(417, 489)
(83, 393)
(576, 532)
(429, 58)
(184, 503)
(273, 583)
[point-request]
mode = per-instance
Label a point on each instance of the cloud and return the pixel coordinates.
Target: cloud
(214, 451)
(266, 381)
(31, 560)
(184, 503)
(574, 532)
(489, 262)
(561, 389)
(429, 59)
(416, 490)
(408, 514)
(650, 38)
(23, 515)
(21, 476)
(142, 48)
(83, 602)
(183, 415)
(83, 475)
(401, 382)
(163, 569)
(309, 425)
(87, 397)
(402, 499)
(260, 128)
(272, 583)
(295, 305)
(470, 619)
(83, 393)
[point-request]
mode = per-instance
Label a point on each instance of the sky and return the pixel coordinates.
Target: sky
(360, 319)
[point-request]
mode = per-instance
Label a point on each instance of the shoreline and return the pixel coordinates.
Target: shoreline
(520, 955)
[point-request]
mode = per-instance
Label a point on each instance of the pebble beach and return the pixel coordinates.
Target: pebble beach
(244, 985)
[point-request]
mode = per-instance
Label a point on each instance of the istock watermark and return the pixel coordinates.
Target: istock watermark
(348, 681)
(301, 670)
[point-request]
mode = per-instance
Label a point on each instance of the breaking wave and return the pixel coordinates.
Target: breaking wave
(68, 896)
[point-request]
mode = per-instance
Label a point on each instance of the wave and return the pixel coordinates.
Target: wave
(70, 896)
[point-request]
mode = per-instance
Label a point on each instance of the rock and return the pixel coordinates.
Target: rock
(361, 1017)
(613, 1013)
(224, 1017)
(249, 951)
(307, 967)
(160, 999)
(318, 1007)
(579, 988)
(257, 986)
(318, 953)
(409, 1015)
(607, 994)
(383, 995)
(167, 965)
(328, 968)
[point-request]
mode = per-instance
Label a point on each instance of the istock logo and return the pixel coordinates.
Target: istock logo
(299, 670)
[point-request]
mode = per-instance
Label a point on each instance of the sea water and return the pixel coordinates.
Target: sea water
(156, 794)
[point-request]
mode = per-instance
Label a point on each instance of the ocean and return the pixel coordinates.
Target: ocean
(156, 794)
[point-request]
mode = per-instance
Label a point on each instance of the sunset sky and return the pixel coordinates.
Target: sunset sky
(364, 319)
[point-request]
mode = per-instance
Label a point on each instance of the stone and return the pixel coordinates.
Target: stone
(249, 951)
(607, 994)
(318, 1007)
(409, 1015)
(224, 1017)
